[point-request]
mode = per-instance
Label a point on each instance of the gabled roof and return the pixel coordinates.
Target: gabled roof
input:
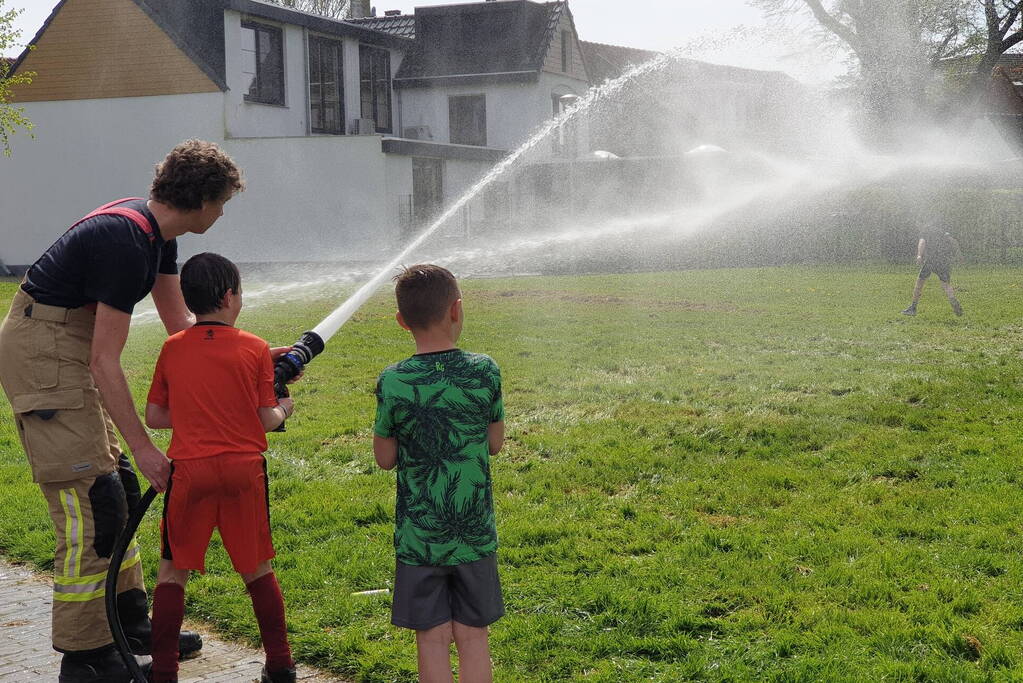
(610, 61)
(197, 28)
(502, 40)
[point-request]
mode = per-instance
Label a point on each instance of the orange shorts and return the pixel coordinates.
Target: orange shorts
(228, 492)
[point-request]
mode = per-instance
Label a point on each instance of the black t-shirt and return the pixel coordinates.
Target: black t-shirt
(108, 259)
(938, 246)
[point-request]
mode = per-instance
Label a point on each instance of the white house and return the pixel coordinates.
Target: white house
(350, 133)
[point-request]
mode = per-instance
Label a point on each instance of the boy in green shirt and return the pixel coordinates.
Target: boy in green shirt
(439, 418)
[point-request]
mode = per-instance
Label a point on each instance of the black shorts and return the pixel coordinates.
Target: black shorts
(425, 597)
(942, 270)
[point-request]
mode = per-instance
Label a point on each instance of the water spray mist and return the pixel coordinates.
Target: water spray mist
(312, 343)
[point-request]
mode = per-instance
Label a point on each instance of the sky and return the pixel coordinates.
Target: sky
(722, 31)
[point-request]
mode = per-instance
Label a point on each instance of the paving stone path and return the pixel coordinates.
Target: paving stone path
(26, 655)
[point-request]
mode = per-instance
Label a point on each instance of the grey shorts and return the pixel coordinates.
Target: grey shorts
(425, 597)
(942, 270)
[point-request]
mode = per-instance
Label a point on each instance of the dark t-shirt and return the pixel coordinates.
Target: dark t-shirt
(939, 249)
(108, 259)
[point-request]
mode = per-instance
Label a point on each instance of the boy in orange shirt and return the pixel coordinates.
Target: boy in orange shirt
(214, 386)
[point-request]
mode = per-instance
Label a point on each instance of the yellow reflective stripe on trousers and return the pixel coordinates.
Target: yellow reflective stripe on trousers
(86, 588)
(73, 532)
(82, 592)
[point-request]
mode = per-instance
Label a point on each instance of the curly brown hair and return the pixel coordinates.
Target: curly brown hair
(194, 172)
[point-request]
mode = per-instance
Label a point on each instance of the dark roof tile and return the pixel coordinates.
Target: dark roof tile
(501, 38)
(403, 25)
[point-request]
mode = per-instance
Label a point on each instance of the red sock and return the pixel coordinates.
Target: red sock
(268, 604)
(168, 612)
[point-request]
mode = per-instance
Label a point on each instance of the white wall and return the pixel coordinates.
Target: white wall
(86, 153)
(514, 110)
(251, 119)
(307, 199)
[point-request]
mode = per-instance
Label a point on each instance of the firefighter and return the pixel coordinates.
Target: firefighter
(60, 366)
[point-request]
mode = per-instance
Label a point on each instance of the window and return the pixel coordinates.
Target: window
(263, 62)
(566, 51)
(427, 188)
(467, 116)
(326, 86)
(375, 86)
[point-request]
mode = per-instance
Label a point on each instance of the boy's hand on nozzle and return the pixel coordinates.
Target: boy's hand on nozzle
(278, 351)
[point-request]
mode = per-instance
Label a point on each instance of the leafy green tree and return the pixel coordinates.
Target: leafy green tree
(1002, 30)
(11, 118)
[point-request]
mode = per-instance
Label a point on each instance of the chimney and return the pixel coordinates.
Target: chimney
(360, 9)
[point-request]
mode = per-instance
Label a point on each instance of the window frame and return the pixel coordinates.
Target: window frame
(451, 127)
(318, 42)
(374, 81)
(258, 27)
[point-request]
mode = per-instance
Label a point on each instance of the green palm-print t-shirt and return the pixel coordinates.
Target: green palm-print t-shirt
(438, 406)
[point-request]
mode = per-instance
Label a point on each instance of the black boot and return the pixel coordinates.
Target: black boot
(98, 666)
(138, 629)
(282, 676)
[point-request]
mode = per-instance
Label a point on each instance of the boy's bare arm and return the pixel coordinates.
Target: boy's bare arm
(157, 417)
(495, 437)
(385, 450)
(272, 417)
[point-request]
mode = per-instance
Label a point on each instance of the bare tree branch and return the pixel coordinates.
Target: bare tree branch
(334, 9)
(834, 25)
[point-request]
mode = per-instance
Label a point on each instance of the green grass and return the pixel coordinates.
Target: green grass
(719, 475)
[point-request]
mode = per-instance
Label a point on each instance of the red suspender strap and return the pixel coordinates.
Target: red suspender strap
(112, 209)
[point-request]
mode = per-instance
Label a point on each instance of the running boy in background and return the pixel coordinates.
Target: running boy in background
(214, 386)
(936, 251)
(439, 418)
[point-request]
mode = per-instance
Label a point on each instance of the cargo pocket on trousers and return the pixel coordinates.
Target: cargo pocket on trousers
(59, 435)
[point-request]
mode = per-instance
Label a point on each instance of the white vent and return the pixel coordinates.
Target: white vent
(363, 127)
(418, 133)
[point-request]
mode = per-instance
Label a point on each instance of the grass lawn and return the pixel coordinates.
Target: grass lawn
(719, 475)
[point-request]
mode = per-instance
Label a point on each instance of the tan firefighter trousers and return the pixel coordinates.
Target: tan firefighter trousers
(74, 454)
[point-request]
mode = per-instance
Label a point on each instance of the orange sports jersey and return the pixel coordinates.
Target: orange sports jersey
(214, 378)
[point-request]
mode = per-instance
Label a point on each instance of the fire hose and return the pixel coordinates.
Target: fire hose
(288, 367)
